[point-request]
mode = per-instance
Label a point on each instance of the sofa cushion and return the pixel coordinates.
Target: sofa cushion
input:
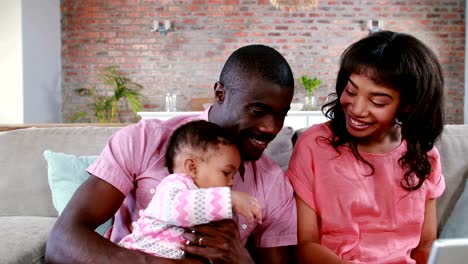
(453, 149)
(24, 238)
(456, 226)
(24, 170)
(280, 148)
(66, 173)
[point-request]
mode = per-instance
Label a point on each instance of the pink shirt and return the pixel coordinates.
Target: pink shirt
(364, 218)
(133, 162)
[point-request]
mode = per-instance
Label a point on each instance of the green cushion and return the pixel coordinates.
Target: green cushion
(66, 173)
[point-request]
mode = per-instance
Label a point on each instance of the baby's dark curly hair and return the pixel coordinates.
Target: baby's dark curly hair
(199, 135)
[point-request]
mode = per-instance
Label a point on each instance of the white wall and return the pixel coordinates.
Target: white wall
(42, 61)
(11, 73)
(30, 61)
(465, 112)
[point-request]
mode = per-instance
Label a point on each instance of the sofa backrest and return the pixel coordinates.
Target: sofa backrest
(453, 150)
(24, 188)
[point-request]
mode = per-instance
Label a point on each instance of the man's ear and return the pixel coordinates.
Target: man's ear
(190, 166)
(219, 92)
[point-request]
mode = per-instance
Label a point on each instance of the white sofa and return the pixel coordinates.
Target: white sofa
(27, 212)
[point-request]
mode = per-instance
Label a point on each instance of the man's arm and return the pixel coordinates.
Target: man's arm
(274, 255)
(73, 239)
(220, 243)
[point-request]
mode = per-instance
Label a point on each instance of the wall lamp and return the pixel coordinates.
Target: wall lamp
(162, 27)
(375, 25)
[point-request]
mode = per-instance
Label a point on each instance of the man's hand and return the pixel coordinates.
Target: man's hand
(218, 242)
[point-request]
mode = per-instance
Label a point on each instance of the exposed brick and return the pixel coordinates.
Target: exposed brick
(187, 61)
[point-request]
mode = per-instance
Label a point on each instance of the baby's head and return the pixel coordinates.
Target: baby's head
(205, 152)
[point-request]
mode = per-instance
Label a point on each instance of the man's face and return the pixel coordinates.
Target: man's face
(254, 114)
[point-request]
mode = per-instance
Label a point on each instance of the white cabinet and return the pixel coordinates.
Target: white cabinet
(294, 119)
(301, 119)
(164, 115)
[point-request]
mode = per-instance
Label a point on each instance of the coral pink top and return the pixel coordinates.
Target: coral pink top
(133, 162)
(364, 218)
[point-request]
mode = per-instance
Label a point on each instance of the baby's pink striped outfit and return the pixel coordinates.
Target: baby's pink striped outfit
(177, 203)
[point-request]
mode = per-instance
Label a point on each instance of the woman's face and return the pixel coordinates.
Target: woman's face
(370, 109)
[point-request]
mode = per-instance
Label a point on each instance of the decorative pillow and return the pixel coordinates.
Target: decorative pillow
(65, 174)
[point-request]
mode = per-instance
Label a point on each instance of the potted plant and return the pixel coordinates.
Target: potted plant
(105, 106)
(310, 85)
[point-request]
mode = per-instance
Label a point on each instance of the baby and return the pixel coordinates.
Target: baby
(202, 161)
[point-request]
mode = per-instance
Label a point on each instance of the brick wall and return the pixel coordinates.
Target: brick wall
(188, 60)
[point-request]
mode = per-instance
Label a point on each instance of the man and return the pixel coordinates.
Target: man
(252, 98)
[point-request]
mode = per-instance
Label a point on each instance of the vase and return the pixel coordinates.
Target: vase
(171, 102)
(310, 103)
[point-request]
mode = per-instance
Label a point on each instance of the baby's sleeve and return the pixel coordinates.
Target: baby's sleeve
(176, 204)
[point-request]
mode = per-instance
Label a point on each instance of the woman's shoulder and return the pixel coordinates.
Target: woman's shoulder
(314, 131)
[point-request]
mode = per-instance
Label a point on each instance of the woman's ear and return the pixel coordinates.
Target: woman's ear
(405, 109)
(219, 92)
(403, 113)
(190, 166)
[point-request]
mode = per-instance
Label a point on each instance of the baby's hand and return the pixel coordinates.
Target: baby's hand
(246, 205)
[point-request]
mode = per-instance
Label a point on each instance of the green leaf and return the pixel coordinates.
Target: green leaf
(78, 116)
(123, 88)
(310, 85)
(135, 103)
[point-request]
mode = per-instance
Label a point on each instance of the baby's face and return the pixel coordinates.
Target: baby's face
(218, 168)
